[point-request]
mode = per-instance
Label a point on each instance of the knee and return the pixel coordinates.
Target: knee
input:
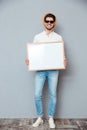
(53, 95)
(37, 96)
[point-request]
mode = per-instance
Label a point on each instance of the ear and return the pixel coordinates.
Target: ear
(43, 23)
(54, 23)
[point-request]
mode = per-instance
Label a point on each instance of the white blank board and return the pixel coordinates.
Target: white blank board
(45, 56)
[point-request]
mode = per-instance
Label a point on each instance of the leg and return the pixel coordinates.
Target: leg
(52, 82)
(39, 84)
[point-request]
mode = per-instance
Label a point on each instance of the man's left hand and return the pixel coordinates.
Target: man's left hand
(65, 62)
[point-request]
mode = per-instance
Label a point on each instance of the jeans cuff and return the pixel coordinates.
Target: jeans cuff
(51, 116)
(40, 115)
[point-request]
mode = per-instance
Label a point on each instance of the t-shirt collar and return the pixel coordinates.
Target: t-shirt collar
(49, 34)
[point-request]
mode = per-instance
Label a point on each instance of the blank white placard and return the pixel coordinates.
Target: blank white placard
(45, 56)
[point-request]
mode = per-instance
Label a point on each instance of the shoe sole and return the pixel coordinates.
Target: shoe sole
(38, 124)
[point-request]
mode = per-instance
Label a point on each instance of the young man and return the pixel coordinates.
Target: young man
(48, 35)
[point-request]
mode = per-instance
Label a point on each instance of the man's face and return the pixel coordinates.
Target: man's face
(49, 23)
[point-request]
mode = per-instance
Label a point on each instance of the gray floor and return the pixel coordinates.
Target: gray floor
(26, 124)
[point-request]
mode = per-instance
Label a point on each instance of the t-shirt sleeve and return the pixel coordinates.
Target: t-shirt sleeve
(35, 39)
(60, 39)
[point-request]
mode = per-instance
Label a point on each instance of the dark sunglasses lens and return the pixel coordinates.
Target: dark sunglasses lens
(49, 21)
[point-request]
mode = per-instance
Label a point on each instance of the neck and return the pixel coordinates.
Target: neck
(48, 31)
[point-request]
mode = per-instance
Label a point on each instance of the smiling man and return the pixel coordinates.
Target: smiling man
(48, 35)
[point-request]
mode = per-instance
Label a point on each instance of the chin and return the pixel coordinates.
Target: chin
(49, 28)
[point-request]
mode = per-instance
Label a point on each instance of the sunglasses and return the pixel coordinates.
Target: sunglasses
(47, 21)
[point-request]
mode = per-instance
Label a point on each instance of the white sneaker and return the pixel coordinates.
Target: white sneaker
(38, 122)
(51, 123)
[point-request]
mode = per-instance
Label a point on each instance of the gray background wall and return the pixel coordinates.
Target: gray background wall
(20, 20)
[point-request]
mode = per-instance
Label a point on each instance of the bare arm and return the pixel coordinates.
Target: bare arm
(65, 62)
(27, 61)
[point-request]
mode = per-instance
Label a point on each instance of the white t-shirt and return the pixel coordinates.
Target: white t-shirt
(43, 37)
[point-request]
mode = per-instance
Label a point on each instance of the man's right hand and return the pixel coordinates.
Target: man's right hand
(27, 61)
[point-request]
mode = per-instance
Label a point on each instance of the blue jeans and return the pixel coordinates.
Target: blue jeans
(40, 78)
